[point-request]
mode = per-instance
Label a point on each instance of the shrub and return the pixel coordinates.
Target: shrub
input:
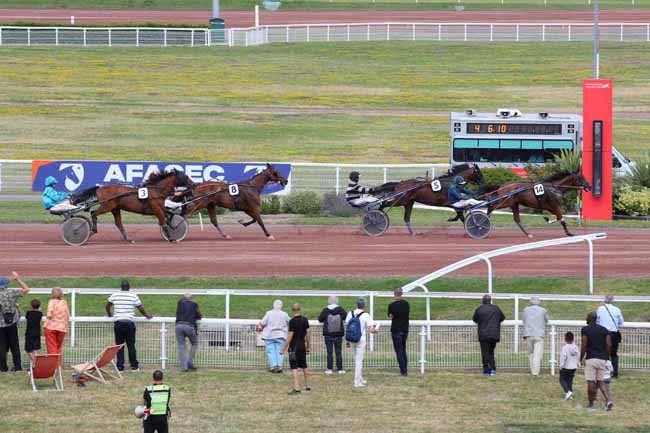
(632, 201)
(305, 203)
(271, 205)
(641, 172)
(336, 205)
(499, 175)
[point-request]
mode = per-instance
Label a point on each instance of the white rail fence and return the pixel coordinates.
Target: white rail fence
(301, 33)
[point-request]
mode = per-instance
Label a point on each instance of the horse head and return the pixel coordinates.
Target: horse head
(168, 180)
(273, 175)
(476, 176)
(581, 181)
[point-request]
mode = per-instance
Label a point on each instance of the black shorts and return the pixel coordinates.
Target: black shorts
(32, 343)
(297, 360)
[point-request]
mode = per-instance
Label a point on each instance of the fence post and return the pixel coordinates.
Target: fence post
(621, 32)
(287, 34)
(307, 32)
(423, 359)
(73, 301)
(165, 37)
(388, 31)
(647, 34)
(56, 37)
(192, 37)
(227, 336)
(553, 334)
(491, 32)
(163, 345)
(110, 38)
(368, 33)
(516, 328)
(0, 35)
(84, 37)
(385, 174)
(517, 32)
(338, 183)
(372, 316)
(591, 266)
(348, 32)
(569, 32)
(413, 31)
(29, 37)
(465, 32)
(137, 37)
(439, 32)
(328, 33)
(543, 32)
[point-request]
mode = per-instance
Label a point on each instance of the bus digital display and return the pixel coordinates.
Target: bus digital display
(515, 128)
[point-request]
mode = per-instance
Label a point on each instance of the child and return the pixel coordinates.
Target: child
(33, 329)
(156, 399)
(568, 365)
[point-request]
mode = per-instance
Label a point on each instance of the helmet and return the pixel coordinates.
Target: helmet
(50, 180)
(459, 180)
(138, 411)
(354, 176)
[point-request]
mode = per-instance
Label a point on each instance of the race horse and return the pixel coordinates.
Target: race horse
(549, 197)
(245, 197)
(117, 197)
(423, 191)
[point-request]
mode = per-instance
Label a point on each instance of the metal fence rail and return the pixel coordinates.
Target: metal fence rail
(453, 344)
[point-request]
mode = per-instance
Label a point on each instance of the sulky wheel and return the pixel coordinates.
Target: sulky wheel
(375, 222)
(75, 231)
(478, 225)
(178, 229)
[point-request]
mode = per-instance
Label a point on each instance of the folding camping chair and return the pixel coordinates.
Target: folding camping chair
(95, 368)
(46, 367)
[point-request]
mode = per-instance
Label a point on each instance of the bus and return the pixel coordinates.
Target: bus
(509, 138)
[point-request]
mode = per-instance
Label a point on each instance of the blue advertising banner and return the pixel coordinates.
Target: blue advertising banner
(78, 175)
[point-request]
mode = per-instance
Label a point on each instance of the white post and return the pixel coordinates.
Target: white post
(307, 32)
(29, 37)
(165, 37)
(516, 329)
(569, 32)
(137, 37)
(372, 316)
(1, 36)
(84, 37)
(192, 37)
(465, 32)
(328, 33)
(439, 32)
(423, 359)
(56, 37)
(647, 34)
(491, 32)
(348, 32)
(72, 20)
(553, 334)
(413, 31)
(227, 337)
(368, 33)
(591, 266)
(517, 32)
(385, 174)
(489, 268)
(200, 221)
(163, 345)
(543, 32)
(338, 182)
(110, 38)
(621, 32)
(257, 16)
(388, 31)
(73, 301)
(287, 34)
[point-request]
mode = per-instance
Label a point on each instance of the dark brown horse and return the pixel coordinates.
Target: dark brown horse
(423, 191)
(246, 198)
(547, 197)
(117, 197)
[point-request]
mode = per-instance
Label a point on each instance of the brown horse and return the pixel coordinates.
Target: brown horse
(245, 198)
(547, 197)
(423, 191)
(117, 197)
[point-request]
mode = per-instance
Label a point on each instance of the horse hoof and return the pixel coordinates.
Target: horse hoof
(270, 238)
(228, 237)
(130, 241)
(530, 236)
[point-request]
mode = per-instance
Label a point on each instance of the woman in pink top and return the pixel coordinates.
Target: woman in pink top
(56, 324)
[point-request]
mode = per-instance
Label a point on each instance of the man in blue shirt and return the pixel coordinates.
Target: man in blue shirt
(55, 201)
(611, 318)
(460, 198)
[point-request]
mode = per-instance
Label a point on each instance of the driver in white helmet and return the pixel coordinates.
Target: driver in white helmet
(356, 194)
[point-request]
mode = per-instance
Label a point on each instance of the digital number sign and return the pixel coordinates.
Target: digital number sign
(515, 128)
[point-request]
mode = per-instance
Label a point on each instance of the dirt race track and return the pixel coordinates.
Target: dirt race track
(247, 18)
(37, 250)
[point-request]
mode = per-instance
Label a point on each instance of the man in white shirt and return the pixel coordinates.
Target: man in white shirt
(125, 304)
(535, 320)
(611, 317)
(359, 347)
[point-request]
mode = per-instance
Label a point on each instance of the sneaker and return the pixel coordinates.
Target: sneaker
(364, 381)
(294, 392)
(359, 385)
(328, 372)
(591, 408)
(609, 405)
(405, 374)
(135, 370)
(568, 395)
(307, 388)
(493, 372)
(341, 371)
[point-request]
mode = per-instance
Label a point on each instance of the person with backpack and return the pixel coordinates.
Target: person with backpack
(610, 316)
(333, 318)
(9, 321)
(358, 325)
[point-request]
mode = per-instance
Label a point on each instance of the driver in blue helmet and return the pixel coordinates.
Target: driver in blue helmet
(55, 201)
(460, 198)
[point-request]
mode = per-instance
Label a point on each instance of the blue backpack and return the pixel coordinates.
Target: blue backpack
(353, 331)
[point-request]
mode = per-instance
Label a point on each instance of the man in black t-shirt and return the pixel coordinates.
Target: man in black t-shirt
(298, 342)
(399, 312)
(594, 354)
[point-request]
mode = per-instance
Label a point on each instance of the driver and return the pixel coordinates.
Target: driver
(356, 194)
(171, 203)
(55, 201)
(460, 198)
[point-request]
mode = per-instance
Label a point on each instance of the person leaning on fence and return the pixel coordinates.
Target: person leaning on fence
(275, 327)
(299, 345)
(333, 319)
(56, 322)
(399, 312)
(187, 313)
(9, 321)
(124, 328)
(535, 319)
(594, 354)
(488, 317)
(156, 399)
(610, 316)
(358, 325)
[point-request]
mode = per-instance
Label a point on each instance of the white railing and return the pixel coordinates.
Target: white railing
(421, 282)
(236, 344)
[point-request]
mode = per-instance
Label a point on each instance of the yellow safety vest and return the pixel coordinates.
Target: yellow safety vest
(159, 399)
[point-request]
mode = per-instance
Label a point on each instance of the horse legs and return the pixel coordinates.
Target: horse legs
(212, 211)
(257, 217)
(560, 218)
(515, 215)
(93, 215)
(408, 208)
(117, 216)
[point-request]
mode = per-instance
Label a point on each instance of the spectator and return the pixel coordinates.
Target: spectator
(333, 318)
(124, 328)
(9, 321)
(594, 354)
(33, 329)
(56, 322)
(535, 320)
(274, 326)
(299, 345)
(359, 323)
(187, 313)
(156, 399)
(610, 317)
(568, 365)
(399, 311)
(488, 317)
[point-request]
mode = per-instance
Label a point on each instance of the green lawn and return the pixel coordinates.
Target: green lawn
(200, 103)
(229, 401)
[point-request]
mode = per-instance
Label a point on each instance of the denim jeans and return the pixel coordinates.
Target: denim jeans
(333, 344)
(273, 347)
(184, 330)
(125, 333)
(399, 343)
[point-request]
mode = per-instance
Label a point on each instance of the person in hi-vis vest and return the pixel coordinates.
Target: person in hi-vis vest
(156, 399)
